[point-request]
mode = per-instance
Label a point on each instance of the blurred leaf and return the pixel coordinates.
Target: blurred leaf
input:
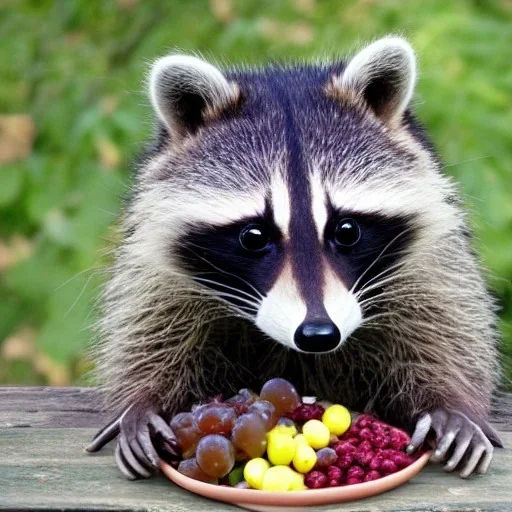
(76, 71)
(20, 345)
(67, 330)
(17, 249)
(109, 154)
(17, 133)
(11, 181)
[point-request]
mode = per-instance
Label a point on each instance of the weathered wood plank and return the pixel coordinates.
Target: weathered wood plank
(50, 407)
(81, 407)
(48, 469)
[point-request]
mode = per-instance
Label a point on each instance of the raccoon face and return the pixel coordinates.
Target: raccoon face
(289, 192)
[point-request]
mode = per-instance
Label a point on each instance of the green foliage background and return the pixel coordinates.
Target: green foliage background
(77, 67)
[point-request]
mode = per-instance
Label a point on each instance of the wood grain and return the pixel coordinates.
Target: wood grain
(43, 466)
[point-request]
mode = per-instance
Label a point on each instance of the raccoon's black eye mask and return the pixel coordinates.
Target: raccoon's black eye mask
(241, 261)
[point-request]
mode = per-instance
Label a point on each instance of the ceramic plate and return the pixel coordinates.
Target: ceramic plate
(265, 501)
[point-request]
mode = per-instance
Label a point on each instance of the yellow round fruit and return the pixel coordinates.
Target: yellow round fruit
(300, 439)
(304, 458)
(254, 471)
(297, 481)
(291, 430)
(337, 419)
(280, 449)
(316, 433)
(278, 478)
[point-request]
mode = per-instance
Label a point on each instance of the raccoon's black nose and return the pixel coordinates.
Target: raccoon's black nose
(317, 336)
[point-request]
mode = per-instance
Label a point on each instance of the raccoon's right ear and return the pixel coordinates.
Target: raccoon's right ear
(382, 76)
(186, 92)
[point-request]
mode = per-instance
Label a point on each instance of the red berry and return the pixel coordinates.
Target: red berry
(352, 481)
(353, 431)
(375, 463)
(355, 472)
(344, 447)
(306, 412)
(366, 434)
(388, 466)
(345, 460)
(380, 441)
(315, 480)
(365, 446)
(364, 421)
(372, 475)
(333, 483)
(334, 473)
(364, 458)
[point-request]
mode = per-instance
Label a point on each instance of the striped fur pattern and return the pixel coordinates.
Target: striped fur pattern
(188, 314)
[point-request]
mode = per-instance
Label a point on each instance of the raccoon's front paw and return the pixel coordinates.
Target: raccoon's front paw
(140, 431)
(457, 439)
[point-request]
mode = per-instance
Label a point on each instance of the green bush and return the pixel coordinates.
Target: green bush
(75, 69)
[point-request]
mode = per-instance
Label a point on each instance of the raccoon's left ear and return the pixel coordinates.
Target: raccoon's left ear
(382, 75)
(186, 92)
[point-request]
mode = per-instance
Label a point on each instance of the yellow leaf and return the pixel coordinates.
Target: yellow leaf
(19, 345)
(17, 134)
(56, 374)
(304, 6)
(17, 249)
(296, 33)
(108, 153)
(222, 10)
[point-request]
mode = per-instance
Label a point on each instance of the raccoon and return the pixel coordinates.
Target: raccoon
(295, 221)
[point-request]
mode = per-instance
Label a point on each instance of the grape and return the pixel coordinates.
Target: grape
(215, 455)
(326, 457)
(282, 394)
(215, 418)
(186, 432)
(190, 468)
(249, 435)
(266, 411)
(242, 400)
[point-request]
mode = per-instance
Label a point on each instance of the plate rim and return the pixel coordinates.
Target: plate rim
(297, 498)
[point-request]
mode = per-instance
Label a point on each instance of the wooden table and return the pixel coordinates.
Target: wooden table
(43, 466)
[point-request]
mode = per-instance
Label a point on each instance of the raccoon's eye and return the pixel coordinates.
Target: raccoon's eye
(254, 237)
(347, 233)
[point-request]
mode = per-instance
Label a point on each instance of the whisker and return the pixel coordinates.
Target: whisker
(211, 281)
(358, 280)
(230, 274)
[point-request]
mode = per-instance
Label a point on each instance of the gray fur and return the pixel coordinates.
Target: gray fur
(165, 339)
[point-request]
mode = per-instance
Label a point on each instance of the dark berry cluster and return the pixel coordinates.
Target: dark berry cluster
(369, 450)
(306, 412)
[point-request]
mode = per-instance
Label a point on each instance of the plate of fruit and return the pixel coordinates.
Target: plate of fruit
(273, 450)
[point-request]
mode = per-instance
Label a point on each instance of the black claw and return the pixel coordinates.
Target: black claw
(104, 436)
